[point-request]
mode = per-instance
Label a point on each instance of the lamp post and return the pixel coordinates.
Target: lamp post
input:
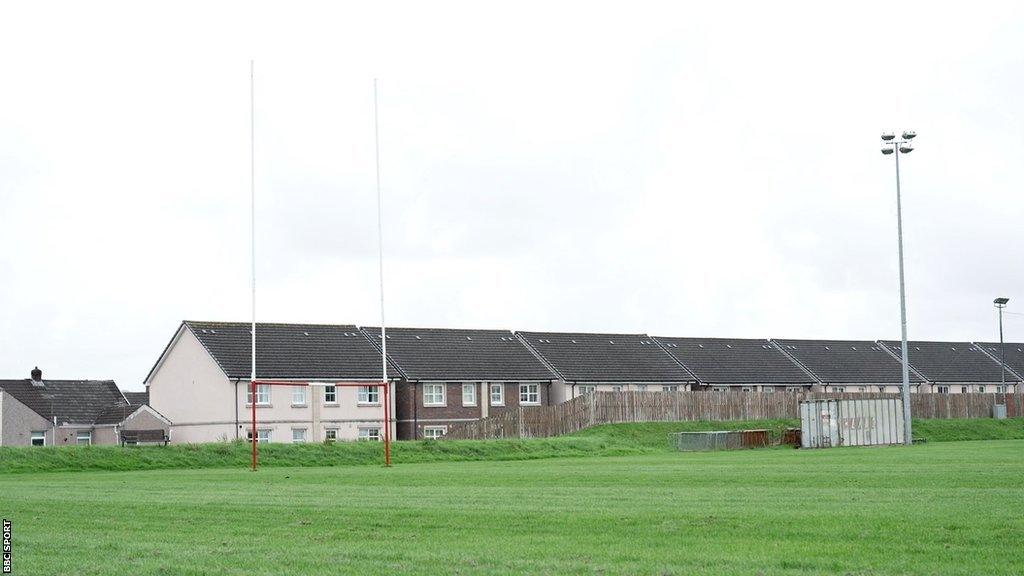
(1000, 304)
(890, 145)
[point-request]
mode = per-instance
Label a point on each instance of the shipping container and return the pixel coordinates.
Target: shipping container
(868, 422)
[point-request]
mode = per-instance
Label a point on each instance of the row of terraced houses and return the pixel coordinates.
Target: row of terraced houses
(198, 389)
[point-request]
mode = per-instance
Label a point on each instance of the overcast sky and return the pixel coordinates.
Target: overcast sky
(704, 171)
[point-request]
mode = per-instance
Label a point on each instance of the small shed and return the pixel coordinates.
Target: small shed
(868, 422)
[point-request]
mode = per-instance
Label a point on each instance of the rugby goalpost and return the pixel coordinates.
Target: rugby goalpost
(255, 382)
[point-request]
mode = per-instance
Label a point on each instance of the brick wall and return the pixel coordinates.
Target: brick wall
(413, 415)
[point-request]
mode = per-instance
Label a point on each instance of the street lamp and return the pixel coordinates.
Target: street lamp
(890, 145)
(1000, 304)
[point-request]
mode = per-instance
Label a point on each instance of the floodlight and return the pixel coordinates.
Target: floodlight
(888, 136)
(906, 148)
(909, 135)
(1000, 301)
(886, 149)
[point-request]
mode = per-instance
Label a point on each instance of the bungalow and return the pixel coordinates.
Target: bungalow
(1011, 355)
(201, 382)
(740, 364)
(38, 412)
(585, 363)
(452, 375)
(957, 367)
(851, 365)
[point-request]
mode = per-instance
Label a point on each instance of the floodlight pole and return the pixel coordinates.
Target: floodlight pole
(1000, 304)
(896, 151)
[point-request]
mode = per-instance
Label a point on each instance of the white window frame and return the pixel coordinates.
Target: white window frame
(586, 389)
(964, 389)
(369, 434)
(37, 435)
(498, 387)
(88, 437)
(262, 435)
(328, 433)
(471, 389)
(981, 389)
(331, 395)
(299, 395)
(670, 388)
(368, 396)
(641, 387)
(301, 440)
(262, 395)
(746, 389)
(617, 388)
(434, 432)
(525, 393)
(794, 389)
(840, 389)
(942, 389)
(719, 388)
(768, 389)
(434, 388)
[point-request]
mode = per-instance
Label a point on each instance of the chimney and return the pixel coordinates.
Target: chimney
(37, 376)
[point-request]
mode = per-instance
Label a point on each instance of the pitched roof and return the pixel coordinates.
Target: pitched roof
(734, 361)
(1014, 355)
(290, 350)
(579, 357)
(950, 361)
(71, 401)
(136, 398)
(457, 354)
(846, 361)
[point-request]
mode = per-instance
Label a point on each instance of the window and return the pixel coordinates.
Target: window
(331, 435)
(881, 389)
(369, 434)
(981, 389)
(529, 394)
(330, 394)
(641, 387)
(433, 395)
(369, 395)
(862, 389)
(469, 394)
(747, 389)
(942, 389)
(1001, 389)
(262, 436)
(298, 435)
(670, 388)
(262, 395)
(963, 390)
(768, 389)
(83, 438)
(794, 389)
(298, 396)
(434, 432)
(617, 388)
(39, 438)
(839, 388)
(719, 389)
(497, 394)
(586, 389)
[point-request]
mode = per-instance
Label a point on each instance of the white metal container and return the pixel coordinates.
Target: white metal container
(868, 422)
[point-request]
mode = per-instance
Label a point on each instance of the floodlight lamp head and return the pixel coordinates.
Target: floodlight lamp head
(1000, 301)
(888, 136)
(906, 148)
(887, 149)
(909, 135)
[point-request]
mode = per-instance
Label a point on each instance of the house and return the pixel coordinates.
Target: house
(38, 412)
(740, 364)
(611, 362)
(452, 375)
(953, 366)
(1011, 355)
(201, 383)
(851, 365)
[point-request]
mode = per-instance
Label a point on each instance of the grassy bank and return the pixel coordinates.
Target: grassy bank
(608, 440)
(950, 508)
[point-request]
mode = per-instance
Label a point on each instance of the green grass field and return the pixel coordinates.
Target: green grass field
(937, 508)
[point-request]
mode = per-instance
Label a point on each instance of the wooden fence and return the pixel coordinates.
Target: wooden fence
(614, 407)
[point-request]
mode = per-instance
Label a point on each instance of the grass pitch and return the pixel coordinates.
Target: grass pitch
(939, 508)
